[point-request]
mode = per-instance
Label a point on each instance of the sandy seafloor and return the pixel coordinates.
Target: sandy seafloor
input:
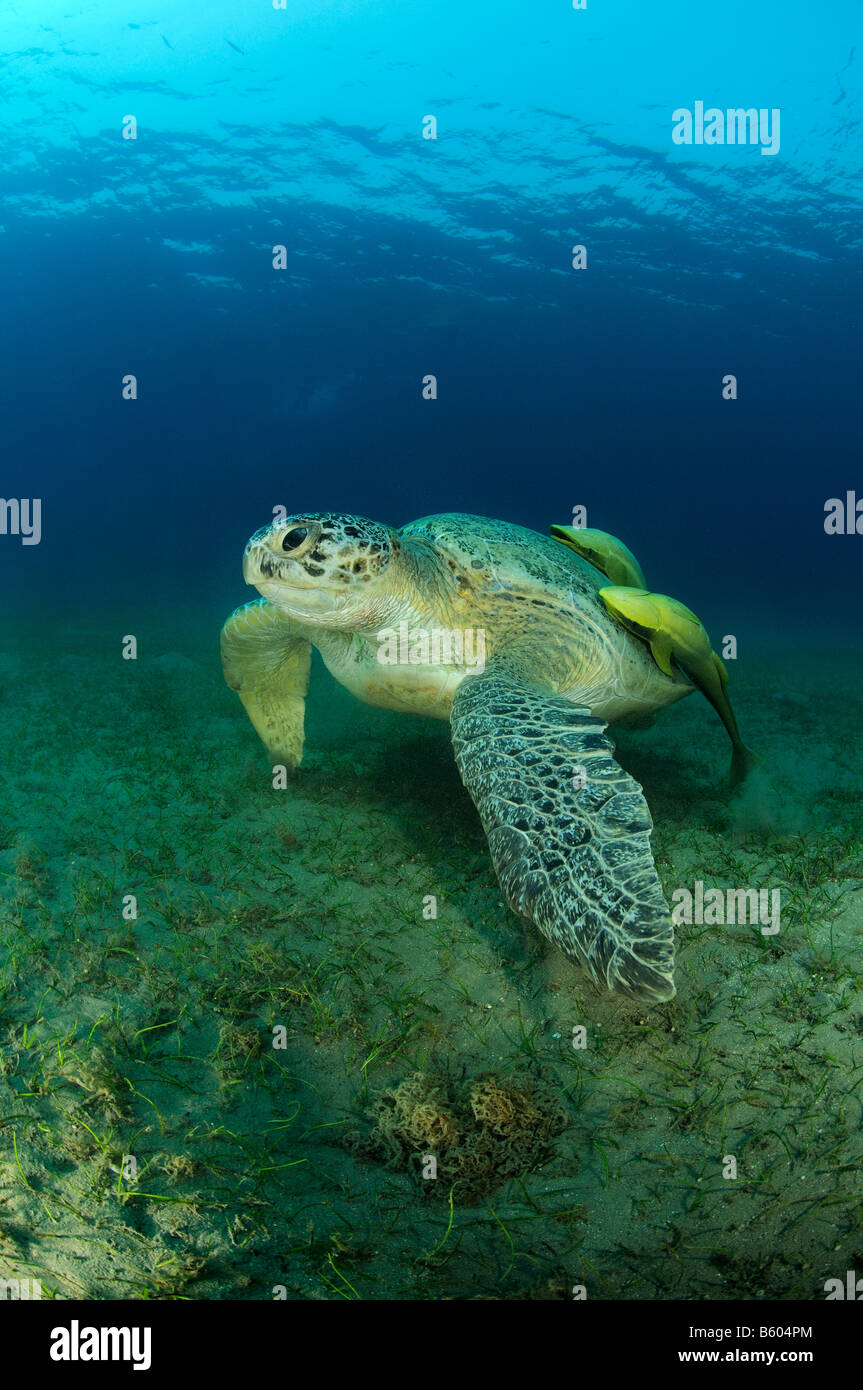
(300, 1166)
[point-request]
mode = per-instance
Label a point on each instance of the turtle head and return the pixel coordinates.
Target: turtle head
(325, 569)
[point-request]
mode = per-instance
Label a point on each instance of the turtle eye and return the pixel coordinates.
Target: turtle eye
(294, 538)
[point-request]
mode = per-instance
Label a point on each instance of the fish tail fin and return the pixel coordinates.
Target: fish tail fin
(743, 762)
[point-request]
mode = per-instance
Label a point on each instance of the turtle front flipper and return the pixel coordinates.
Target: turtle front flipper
(267, 663)
(568, 829)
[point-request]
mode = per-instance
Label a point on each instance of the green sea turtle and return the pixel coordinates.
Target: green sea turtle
(568, 829)
(675, 634)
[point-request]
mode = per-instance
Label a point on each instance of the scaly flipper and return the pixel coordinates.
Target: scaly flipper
(267, 663)
(576, 862)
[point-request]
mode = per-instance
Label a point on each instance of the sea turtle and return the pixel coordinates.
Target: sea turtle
(568, 829)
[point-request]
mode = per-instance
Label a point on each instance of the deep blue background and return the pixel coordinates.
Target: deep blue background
(556, 387)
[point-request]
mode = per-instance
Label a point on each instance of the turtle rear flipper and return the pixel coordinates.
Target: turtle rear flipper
(574, 859)
(267, 663)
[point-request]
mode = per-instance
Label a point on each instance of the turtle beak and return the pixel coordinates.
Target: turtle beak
(271, 551)
(261, 563)
(252, 563)
(271, 571)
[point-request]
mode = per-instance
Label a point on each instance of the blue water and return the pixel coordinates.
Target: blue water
(406, 256)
